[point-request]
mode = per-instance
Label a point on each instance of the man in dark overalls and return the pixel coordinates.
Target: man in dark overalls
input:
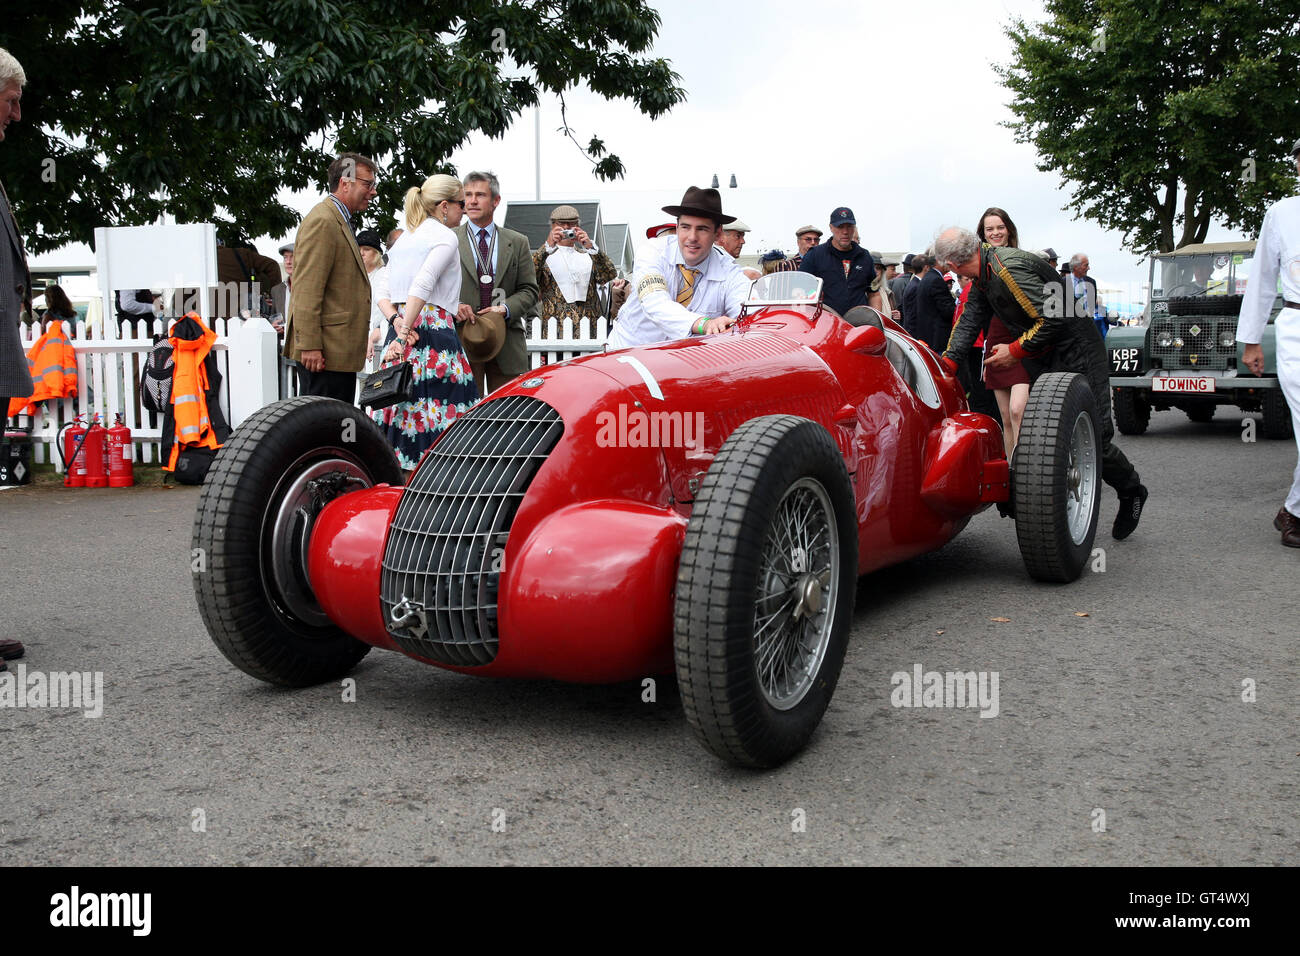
(1025, 292)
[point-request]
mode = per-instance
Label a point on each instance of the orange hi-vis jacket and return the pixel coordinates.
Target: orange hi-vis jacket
(189, 386)
(53, 363)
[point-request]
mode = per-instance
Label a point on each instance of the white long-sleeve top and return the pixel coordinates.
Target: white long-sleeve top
(1277, 253)
(425, 264)
(652, 314)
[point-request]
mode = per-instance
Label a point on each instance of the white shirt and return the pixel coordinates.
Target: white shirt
(571, 269)
(407, 255)
(378, 320)
(1277, 254)
(438, 280)
(652, 314)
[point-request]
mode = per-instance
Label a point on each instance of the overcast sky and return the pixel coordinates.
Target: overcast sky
(814, 104)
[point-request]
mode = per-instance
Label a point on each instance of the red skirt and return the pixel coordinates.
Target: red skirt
(999, 334)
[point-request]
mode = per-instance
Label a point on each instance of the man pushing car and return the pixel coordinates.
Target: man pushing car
(1026, 293)
(679, 286)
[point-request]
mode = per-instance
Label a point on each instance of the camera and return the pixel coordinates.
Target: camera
(569, 234)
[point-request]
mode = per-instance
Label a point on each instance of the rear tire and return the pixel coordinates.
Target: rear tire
(1132, 410)
(251, 528)
(1057, 477)
(1277, 414)
(765, 590)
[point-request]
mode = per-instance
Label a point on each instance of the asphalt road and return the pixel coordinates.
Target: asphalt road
(1132, 717)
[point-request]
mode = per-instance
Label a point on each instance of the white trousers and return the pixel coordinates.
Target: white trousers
(1287, 325)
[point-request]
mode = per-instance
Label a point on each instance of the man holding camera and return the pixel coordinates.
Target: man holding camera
(570, 270)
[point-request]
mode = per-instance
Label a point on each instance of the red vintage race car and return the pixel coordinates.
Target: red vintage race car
(702, 507)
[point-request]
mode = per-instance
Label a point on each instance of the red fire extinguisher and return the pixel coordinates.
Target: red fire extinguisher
(120, 452)
(74, 464)
(96, 447)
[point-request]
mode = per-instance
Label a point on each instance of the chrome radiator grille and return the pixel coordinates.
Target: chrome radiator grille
(1199, 338)
(447, 542)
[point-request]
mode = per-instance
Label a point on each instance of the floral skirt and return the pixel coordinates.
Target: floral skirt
(444, 388)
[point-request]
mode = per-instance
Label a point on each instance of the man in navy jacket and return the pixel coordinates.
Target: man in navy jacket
(846, 269)
(932, 307)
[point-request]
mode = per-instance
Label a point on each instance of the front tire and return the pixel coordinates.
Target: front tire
(1132, 410)
(1057, 477)
(251, 530)
(1277, 414)
(765, 590)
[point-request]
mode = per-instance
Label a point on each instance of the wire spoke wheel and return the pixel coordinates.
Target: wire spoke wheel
(765, 590)
(799, 587)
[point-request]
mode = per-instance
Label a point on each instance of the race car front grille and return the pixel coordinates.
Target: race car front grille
(447, 543)
(1199, 338)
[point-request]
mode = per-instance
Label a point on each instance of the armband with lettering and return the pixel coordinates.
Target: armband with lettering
(650, 283)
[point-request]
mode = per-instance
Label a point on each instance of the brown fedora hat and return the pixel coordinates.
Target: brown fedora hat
(483, 338)
(700, 202)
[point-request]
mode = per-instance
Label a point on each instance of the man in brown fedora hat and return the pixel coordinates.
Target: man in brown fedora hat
(680, 287)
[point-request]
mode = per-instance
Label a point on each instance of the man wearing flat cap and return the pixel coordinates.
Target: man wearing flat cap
(1277, 258)
(731, 241)
(805, 237)
(846, 269)
(679, 286)
(570, 270)
(280, 291)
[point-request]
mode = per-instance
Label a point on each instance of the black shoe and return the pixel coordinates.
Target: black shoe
(10, 650)
(1130, 513)
(1289, 525)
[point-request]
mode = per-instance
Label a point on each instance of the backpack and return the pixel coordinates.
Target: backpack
(156, 376)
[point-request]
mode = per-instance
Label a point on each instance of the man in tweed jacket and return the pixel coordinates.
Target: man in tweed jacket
(15, 280)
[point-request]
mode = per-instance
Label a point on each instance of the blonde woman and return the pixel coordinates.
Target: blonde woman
(424, 277)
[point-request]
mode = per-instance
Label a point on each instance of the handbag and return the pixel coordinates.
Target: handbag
(390, 385)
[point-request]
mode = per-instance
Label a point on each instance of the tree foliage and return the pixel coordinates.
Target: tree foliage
(205, 109)
(1162, 115)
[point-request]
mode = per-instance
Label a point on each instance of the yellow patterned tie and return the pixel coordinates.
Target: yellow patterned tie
(688, 290)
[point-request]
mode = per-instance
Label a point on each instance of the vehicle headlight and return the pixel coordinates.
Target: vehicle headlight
(1228, 339)
(1164, 339)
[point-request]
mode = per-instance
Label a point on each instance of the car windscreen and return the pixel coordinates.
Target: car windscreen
(786, 288)
(1204, 274)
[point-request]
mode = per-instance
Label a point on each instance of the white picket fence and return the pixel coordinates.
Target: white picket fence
(252, 371)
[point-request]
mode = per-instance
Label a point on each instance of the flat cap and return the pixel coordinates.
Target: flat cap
(736, 226)
(287, 247)
(564, 214)
(1295, 148)
(802, 229)
(1049, 254)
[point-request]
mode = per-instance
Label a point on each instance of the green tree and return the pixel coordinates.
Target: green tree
(205, 109)
(1161, 115)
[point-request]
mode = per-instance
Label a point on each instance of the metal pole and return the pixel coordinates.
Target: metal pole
(537, 133)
